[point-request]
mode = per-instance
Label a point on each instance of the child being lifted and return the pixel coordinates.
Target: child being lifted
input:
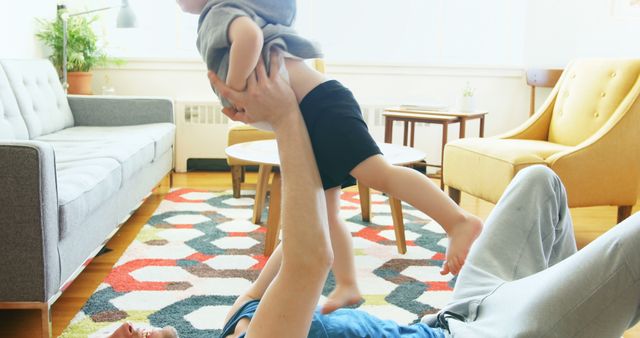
(232, 36)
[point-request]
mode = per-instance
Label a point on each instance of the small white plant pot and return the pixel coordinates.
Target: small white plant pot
(467, 104)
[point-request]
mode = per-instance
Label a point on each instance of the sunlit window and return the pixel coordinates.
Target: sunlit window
(417, 32)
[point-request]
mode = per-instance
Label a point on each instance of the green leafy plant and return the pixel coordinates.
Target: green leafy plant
(468, 91)
(83, 51)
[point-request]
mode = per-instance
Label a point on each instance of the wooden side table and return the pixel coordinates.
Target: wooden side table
(444, 118)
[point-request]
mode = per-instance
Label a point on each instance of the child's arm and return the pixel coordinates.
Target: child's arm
(192, 6)
(246, 45)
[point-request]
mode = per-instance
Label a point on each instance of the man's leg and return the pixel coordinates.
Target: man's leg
(529, 230)
(594, 293)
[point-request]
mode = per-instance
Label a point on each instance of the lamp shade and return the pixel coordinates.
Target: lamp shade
(126, 16)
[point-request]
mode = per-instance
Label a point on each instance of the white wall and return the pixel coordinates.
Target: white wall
(18, 27)
(559, 31)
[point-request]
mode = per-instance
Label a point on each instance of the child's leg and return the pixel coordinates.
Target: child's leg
(346, 291)
(416, 189)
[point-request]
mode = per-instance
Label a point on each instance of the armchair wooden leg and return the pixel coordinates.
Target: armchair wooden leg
(398, 224)
(454, 194)
(236, 177)
(624, 211)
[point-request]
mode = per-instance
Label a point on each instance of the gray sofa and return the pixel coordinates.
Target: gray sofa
(72, 169)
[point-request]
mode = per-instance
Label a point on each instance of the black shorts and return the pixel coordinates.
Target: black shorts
(339, 136)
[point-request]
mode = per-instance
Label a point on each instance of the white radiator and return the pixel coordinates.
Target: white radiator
(201, 131)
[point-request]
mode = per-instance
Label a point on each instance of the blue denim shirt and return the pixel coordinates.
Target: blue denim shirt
(345, 323)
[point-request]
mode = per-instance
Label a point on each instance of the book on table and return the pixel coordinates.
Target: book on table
(427, 107)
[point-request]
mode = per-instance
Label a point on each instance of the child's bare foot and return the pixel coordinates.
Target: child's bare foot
(340, 297)
(461, 237)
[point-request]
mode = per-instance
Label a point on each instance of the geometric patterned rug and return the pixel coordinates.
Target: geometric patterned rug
(199, 251)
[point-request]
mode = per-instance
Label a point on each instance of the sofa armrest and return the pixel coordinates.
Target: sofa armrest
(29, 262)
(119, 110)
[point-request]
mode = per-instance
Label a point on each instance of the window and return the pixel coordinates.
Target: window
(163, 31)
(416, 32)
(444, 32)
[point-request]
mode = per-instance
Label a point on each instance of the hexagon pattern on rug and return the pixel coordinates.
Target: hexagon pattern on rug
(199, 251)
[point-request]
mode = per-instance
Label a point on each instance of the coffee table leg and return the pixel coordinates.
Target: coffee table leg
(365, 202)
(398, 224)
(261, 192)
(445, 138)
(273, 220)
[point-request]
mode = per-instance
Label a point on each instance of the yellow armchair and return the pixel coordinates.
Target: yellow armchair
(586, 131)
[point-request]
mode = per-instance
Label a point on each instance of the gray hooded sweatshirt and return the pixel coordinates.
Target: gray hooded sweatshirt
(274, 17)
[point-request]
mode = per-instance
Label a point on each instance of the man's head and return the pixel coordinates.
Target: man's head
(192, 6)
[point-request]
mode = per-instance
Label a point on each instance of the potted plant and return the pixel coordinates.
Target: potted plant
(467, 102)
(83, 51)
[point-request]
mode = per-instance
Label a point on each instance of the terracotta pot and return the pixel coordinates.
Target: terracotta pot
(80, 83)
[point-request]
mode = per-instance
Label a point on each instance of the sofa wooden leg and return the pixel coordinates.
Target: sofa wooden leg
(624, 211)
(236, 177)
(45, 315)
(454, 194)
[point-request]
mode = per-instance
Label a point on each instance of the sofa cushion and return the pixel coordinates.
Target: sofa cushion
(93, 163)
(83, 185)
(132, 151)
(12, 126)
(41, 99)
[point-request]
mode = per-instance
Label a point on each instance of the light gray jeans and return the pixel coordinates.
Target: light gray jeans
(524, 278)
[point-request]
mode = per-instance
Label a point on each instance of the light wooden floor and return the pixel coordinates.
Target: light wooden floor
(589, 223)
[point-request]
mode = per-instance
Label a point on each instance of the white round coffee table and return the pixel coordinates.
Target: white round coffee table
(265, 154)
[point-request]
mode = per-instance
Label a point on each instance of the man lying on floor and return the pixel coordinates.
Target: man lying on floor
(522, 278)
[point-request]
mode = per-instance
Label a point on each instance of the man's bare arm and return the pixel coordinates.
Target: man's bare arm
(287, 306)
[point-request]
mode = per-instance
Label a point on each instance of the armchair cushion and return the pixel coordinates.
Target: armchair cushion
(588, 96)
(499, 159)
(94, 162)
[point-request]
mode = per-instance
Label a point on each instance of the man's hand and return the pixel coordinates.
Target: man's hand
(267, 97)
